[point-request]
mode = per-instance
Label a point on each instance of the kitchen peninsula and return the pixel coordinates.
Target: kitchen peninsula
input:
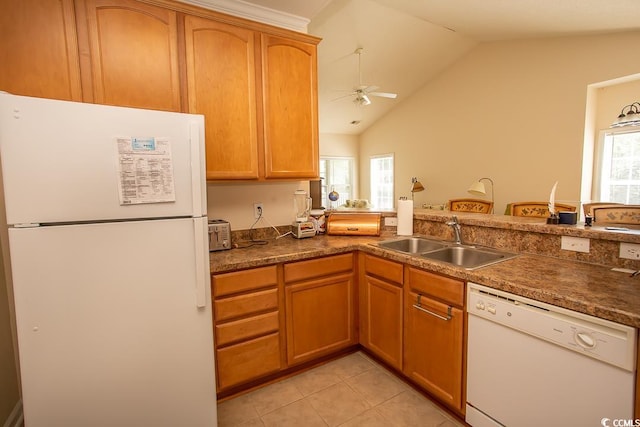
(542, 271)
(582, 282)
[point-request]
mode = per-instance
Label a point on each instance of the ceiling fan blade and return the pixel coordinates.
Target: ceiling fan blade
(361, 91)
(345, 96)
(384, 94)
(367, 89)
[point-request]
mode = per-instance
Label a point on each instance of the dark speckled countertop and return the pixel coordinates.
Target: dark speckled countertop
(586, 288)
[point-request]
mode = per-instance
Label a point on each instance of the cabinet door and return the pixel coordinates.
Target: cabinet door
(39, 49)
(221, 84)
(320, 317)
(433, 348)
(382, 311)
(289, 70)
(130, 54)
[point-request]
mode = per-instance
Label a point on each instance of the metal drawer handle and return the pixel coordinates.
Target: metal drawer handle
(419, 307)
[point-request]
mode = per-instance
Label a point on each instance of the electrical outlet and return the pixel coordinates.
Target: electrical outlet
(576, 244)
(257, 210)
(390, 221)
(629, 250)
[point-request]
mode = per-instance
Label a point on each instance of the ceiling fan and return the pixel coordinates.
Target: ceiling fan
(362, 92)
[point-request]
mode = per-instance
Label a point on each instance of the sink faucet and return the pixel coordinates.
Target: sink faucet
(456, 229)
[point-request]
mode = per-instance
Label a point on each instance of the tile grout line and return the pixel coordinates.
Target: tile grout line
(340, 368)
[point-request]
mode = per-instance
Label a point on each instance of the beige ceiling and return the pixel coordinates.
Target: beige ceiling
(408, 42)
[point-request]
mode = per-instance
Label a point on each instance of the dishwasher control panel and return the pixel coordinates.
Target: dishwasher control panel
(601, 339)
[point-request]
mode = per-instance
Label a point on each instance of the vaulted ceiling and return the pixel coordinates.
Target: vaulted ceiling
(406, 43)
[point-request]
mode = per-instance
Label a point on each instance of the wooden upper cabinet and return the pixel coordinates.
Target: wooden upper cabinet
(290, 98)
(221, 84)
(258, 93)
(129, 54)
(39, 49)
(255, 84)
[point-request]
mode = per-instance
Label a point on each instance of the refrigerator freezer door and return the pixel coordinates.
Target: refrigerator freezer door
(108, 329)
(61, 160)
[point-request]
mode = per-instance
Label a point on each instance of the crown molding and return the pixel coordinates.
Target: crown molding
(254, 12)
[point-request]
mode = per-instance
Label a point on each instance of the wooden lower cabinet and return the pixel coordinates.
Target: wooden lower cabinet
(248, 360)
(434, 335)
(273, 319)
(320, 307)
(381, 314)
(246, 320)
(259, 330)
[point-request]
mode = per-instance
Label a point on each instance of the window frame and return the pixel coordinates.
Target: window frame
(374, 200)
(601, 156)
(326, 184)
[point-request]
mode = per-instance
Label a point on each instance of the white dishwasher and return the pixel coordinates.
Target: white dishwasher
(535, 364)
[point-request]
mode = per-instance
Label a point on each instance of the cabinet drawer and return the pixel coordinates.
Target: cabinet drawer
(302, 270)
(245, 280)
(247, 328)
(440, 287)
(389, 270)
(248, 360)
(246, 304)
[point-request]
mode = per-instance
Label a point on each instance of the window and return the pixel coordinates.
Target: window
(382, 181)
(619, 175)
(337, 175)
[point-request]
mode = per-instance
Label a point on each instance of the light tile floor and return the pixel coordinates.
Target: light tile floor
(350, 391)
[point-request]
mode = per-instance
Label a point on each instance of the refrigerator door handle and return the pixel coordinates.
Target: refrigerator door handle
(200, 229)
(198, 171)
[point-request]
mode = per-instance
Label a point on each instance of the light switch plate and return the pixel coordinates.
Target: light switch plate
(629, 250)
(576, 244)
(391, 221)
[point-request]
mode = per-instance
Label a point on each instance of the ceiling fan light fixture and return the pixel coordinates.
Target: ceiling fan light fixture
(362, 100)
(362, 91)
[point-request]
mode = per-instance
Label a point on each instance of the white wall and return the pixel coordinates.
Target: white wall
(234, 202)
(612, 98)
(513, 111)
(332, 144)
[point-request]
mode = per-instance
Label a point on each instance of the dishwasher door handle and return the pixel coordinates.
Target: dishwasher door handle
(418, 306)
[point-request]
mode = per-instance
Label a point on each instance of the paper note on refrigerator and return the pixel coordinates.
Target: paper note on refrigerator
(145, 170)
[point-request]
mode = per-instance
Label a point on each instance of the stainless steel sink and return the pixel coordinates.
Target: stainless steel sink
(465, 256)
(412, 245)
(468, 257)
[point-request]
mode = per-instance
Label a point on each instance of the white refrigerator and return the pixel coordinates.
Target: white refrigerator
(109, 263)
